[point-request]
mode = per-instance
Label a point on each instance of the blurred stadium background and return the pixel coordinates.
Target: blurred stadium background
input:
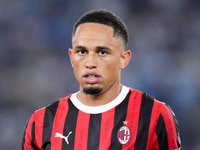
(35, 69)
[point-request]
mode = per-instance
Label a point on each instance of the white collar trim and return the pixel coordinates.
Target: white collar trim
(102, 108)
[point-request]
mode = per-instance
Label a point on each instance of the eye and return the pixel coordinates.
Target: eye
(102, 53)
(81, 52)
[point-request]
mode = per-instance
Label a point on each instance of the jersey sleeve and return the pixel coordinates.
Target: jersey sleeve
(167, 130)
(32, 138)
(28, 142)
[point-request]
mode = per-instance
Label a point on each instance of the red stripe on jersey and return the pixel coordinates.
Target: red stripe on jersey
(39, 119)
(152, 137)
(28, 137)
(58, 124)
(154, 145)
(81, 134)
(107, 123)
(132, 117)
(170, 127)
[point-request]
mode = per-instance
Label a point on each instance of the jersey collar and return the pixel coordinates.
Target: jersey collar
(102, 108)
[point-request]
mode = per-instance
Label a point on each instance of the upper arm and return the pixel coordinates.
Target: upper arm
(29, 135)
(167, 129)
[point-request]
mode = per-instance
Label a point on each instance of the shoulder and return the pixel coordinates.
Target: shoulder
(149, 102)
(52, 108)
(159, 114)
(144, 97)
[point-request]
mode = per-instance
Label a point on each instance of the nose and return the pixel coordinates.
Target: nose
(91, 61)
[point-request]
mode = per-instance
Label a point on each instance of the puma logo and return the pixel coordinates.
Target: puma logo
(57, 134)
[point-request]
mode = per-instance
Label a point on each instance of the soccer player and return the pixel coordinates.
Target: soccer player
(103, 114)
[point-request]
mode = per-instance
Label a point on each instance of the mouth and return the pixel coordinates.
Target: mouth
(91, 78)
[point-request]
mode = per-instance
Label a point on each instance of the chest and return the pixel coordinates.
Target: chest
(114, 129)
(126, 126)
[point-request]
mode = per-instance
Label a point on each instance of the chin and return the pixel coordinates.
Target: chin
(92, 90)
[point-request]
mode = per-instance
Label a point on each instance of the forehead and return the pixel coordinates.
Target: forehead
(94, 32)
(93, 28)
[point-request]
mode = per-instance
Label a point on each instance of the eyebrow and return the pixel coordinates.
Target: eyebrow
(80, 47)
(98, 47)
(103, 48)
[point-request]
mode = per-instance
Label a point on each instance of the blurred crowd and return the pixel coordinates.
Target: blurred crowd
(35, 69)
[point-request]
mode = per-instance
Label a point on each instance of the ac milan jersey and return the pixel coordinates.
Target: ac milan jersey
(133, 120)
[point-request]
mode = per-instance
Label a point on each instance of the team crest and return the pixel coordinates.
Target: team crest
(124, 134)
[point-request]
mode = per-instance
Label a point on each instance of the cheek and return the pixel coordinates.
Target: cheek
(112, 70)
(77, 70)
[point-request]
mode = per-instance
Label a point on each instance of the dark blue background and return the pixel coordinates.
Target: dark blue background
(35, 69)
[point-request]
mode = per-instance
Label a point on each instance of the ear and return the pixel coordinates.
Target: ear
(125, 58)
(70, 56)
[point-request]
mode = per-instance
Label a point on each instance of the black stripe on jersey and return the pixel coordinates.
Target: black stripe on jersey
(24, 134)
(33, 137)
(70, 126)
(94, 132)
(49, 115)
(144, 121)
(120, 116)
(161, 133)
(175, 120)
(176, 125)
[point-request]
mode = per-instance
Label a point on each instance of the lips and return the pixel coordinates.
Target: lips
(91, 78)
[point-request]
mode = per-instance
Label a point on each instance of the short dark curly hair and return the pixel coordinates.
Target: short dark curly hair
(105, 17)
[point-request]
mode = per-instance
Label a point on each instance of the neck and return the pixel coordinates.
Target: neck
(103, 98)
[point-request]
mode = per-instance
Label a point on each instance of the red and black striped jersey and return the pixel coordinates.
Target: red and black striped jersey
(133, 120)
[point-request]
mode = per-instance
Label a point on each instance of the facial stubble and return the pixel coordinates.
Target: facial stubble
(92, 90)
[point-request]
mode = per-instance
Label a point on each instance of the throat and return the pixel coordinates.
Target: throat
(94, 96)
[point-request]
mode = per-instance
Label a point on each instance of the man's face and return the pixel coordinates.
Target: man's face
(96, 57)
